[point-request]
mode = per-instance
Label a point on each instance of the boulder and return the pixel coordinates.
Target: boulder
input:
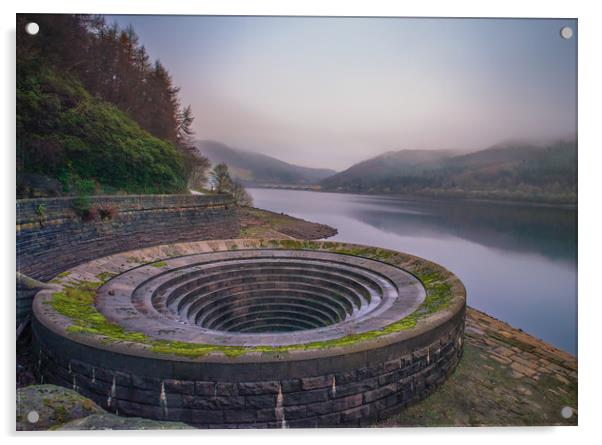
(109, 421)
(42, 407)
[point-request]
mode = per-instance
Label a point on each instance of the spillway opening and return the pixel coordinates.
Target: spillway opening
(271, 295)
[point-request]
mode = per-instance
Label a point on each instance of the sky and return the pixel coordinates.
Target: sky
(330, 92)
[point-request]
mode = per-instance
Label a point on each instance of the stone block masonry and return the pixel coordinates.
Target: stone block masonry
(346, 390)
(135, 341)
(51, 237)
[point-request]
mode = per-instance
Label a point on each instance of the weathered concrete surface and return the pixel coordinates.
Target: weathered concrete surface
(41, 407)
(505, 377)
(109, 421)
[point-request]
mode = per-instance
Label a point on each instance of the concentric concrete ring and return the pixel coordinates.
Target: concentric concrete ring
(252, 333)
(259, 297)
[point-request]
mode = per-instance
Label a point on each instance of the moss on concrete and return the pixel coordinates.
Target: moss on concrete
(105, 276)
(159, 264)
(76, 301)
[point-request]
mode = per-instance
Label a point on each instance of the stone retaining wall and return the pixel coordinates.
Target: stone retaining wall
(354, 389)
(51, 237)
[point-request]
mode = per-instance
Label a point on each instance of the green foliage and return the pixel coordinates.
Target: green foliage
(64, 132)
(222, 182)
(41, 212)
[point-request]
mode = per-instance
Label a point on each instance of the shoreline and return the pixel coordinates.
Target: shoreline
(417, 197)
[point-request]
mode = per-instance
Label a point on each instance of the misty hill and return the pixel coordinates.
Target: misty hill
(258, 169)
(391, 163)
(518, 171)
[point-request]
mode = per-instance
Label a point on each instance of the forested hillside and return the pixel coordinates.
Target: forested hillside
(94, 112)
(258, 169)
(540, 173)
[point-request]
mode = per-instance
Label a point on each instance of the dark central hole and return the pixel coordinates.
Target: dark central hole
(279, 296)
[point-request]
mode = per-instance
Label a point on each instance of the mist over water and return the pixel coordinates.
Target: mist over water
(518, 262)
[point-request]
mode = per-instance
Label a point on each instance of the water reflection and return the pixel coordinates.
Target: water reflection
(518, 262)
(551, 232)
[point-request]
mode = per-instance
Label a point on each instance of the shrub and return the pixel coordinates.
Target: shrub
(66, 133)
(106, 212)
(89, 214)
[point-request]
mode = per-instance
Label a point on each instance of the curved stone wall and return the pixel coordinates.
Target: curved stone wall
(388, 331)
(51, 237)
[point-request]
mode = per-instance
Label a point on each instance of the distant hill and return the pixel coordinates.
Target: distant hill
(258, 169)
(389, 164)
(519, 171)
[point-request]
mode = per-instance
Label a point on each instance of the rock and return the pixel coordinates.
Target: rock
(41, 407)
(109, 421)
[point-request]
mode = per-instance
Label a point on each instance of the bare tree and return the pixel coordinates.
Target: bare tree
(241, 196)
(220, 178)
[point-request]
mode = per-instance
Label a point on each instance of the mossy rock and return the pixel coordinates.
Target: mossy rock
(109, 421)
(54, 406)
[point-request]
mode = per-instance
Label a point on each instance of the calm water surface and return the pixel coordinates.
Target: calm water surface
(518, 263)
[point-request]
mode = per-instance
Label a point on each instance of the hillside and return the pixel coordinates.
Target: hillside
(391, 163)
(66, 134)
(258, 169)
(542, 173)
(95, 114)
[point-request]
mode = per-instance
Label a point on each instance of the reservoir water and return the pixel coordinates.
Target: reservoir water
(518, 262)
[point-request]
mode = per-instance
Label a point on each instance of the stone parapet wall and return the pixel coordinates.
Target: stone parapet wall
(347, 390)
(52, 238)
(115, 342)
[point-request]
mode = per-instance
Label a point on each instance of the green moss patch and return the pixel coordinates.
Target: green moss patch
(76, 301)
(105, 276)
(159, 264)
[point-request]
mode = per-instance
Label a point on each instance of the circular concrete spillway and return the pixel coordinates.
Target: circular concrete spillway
(259, 297)
(252, 333)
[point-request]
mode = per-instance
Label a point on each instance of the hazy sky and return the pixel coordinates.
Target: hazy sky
(334, 91)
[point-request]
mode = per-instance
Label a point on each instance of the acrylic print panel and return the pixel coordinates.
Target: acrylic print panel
(295, 222)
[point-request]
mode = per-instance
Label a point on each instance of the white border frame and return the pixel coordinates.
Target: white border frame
(590, 73)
